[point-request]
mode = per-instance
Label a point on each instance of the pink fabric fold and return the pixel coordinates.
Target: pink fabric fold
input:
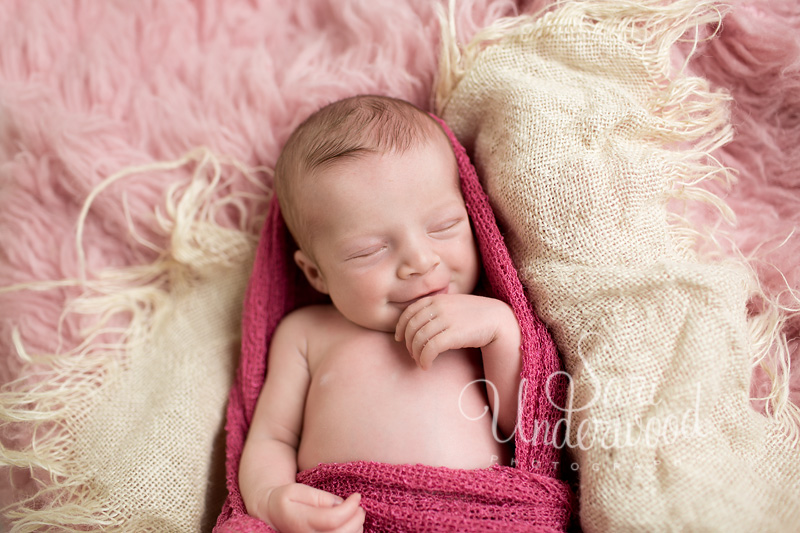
(396, 497)
(438, 499)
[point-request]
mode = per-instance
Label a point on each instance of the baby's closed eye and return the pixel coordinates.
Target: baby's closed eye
(445, 227)
(364, 253)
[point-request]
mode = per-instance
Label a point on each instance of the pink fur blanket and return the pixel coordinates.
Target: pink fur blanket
(396, 497)
(88, 88)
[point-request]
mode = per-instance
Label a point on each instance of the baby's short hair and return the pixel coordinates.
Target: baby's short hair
(345, 129)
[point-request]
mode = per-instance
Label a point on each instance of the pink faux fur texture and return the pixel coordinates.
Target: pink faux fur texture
(88, 88)
(757, 58)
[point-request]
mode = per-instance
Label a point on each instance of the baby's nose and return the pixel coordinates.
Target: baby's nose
(417, 261)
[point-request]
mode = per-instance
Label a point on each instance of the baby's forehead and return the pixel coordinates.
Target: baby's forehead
(438, 152)
(367, 177)
(314, 184)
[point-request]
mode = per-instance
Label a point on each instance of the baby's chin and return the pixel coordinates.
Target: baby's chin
(386, 324)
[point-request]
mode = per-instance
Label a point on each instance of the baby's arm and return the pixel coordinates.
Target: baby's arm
(269, 459)
(444, 322)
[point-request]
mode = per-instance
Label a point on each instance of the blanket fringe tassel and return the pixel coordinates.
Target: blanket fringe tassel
(693, 113)
(55, 394)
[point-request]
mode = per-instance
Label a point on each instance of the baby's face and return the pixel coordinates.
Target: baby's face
(388, 230)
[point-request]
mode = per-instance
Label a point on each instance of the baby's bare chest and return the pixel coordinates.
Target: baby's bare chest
(374, 365)
(369, 401)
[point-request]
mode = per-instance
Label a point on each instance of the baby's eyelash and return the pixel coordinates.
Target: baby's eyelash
(367, 252)
(446, 226)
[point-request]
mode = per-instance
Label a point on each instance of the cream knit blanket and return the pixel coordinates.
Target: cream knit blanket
(582, 134)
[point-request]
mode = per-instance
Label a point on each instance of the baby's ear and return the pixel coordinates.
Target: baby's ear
(311, 270)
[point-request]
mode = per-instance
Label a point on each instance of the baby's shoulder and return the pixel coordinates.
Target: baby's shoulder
(310, 318)
(312, 329)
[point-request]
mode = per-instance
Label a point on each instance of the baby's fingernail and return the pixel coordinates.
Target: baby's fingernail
(338, 501)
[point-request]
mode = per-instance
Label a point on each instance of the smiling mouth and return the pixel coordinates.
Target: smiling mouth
(412, 300)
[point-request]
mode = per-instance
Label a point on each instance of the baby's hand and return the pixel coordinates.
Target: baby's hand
(298, 507)
(435, 324)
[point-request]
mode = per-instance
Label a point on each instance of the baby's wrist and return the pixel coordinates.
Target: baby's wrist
(507, 326)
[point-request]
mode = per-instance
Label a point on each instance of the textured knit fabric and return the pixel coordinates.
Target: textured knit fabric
(396, 497)
(410, 498)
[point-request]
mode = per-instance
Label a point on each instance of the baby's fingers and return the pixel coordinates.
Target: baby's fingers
(356, 522)
(426, 343)
(413, 312)
(315, 497)
(448, 337)
(414, 326)
(345, 517)
(438, 343)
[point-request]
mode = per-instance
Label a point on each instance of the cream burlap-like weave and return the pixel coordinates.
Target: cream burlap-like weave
(129, 425)
(582, 135)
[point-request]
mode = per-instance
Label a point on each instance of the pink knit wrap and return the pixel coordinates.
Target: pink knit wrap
(528, 497)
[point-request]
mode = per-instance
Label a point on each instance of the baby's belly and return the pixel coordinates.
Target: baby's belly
(369, 401)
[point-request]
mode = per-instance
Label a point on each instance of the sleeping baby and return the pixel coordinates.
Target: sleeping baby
(391, 371)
